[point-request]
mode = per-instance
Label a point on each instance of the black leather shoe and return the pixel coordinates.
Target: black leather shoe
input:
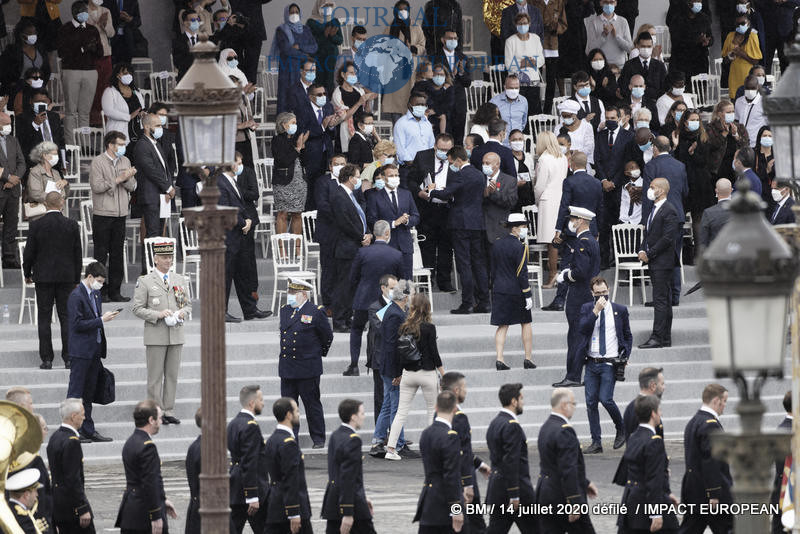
(619, 439)
(378, 450)
(528, 364)
(651, 344)
(231, 319)
(461, 310)
(648, 304)
(46, 365)
(96, 437)
(119, 298)
(352, 370)
(553, 306)
(170, 420)
(258, 314)
(83, 438)
(318, 446)
(501, 366)
(594, 448)
(447, 289)
(568, 384)
(408, 454)
(341, 329)
(67, 364)
(481, 309)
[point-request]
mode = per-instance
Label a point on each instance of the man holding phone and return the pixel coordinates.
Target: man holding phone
(39, 124)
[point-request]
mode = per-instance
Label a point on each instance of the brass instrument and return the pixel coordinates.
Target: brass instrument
(19, 432)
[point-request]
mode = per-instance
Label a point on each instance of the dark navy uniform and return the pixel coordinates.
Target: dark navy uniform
(630, 423)
(248, 479)
(65, 456)
(562, 476)
(288, 495)
(344, 494)
(306, 336)
(473, 523)
(193, 477)
(583, 266)
(143, 500)
(28, 520)
(705, 477)
(510, 286)
(647, 482)
(44, 504)
(511, 477)
(441, 454)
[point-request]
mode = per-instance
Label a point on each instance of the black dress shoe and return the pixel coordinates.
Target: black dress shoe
(447, 289)
(258, 314)
(46, 365)
(461, 310)
(481, 309)
(231, 319)
(501, 366)
(96, 437)
(666, 343)
(594, 448)
(648, 304)
(318, 446)
(341, 329)
(619, 439)
(568, 384)
(106, 299)
(67, 364)
(83, 438)
(170, 420)
(651, 344)
(119, 298)
(352, 370)
(528, 364)
(553, 306)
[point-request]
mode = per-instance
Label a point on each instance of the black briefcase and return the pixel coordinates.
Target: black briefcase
(105, 391)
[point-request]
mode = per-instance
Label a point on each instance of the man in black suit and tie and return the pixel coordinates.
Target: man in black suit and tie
(352, 233)
(497, 132)
(52, 259)
(465, 188)
(653, 70)
(325, 229)
(437, 248)
(12, 161)
(660, 254)
(396, 205)
(182, 57)
(127, 20)
(499, 198)
(456, 63)
(37, 124)
(782, 214)
(316, 116)
(716, 216)
(237, 263)
(253, 12)
(786, 426)
(153, 179)
(298, 91)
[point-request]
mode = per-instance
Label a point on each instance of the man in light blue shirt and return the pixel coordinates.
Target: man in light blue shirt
(412, 133)
(513, 107)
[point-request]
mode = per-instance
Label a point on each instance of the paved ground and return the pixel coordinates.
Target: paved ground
(393, 488)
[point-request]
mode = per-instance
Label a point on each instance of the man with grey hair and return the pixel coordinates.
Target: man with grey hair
(71, 510)
(369, 265)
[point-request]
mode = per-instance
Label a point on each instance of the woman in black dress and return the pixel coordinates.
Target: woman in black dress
(602, 79)
(765, 164)
(693, 151)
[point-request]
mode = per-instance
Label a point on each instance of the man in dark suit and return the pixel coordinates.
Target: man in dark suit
(144, 506)
(653, 70)
(351, 233)
(743, 162)
(375, 340)
(707, 481)
(38, 124)
(288, 507)
(182, 57)
(395, 205)
(345, 503)
(247, 183)
(52, 260)
(71, 510)
(237, 254)
(782, 214)
(297, 93)
(12, 161)
(499, 198)
(249, 483)
(325, 228)
(253, 12)
(316, 116)
(126, 19)
(636, 99)
(465, 188)
(780, 470)
(369, 265)
(192, 464)
(606, 336)
(507, 26)
(449, 55)
(87, 342)
(441, 454)
(609, 168)
(716, 216)
(562, 478)
(591, 108)
(437, 249)
(659, 252)
(497, 132)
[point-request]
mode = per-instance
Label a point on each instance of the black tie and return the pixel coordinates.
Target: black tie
(441, 166)
(602, 332)
(586, 107)
(645, 66)
(194, 40)
(394, 201)
(630, 204)
(610, 138)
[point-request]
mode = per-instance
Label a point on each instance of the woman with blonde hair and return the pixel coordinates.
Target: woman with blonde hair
(421, 374)
(385, 153)
(45, 175)
(551, 170)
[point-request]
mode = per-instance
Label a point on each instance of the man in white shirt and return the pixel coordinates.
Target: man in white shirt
(609, 33)
(749, 109)
(630, 205)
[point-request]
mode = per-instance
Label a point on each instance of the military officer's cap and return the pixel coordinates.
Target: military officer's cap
(21, 462)
(23, 481)
(299, 285)
(581, 213)
(516, 219)
(166, 248)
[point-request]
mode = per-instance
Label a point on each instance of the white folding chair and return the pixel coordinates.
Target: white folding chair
(142, 69)
(148, 251)
(663, 38)
(90, 143)
(86, 219)
(147, 96)
(542, 123)
(266, 217)
(478, 93)
(259, 106)
(496, 78)
(556, 101)
(776, 69)
(626, 239)
(26, 302)
(162, 84)
(421, 275)
(705, 87)
(466, 32)
(270, 84)
(190, 250)
(56, 91)
(22, 225)
(310, 247)
(287, 262)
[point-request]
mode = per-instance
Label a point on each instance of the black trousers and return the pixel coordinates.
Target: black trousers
(471, 265)
(533, 96)
(662, 304)
(359, 527)
(458, 117)
(236, 274)
(72, 527)
(343, 296)
(697, 523)
(83, 374)
(239, 517)
(46, 295)
(437, 249)
(252, 49)
(360, 319)
(377, 392)
(307, 389)
(250, 269)
(327, 264)
(283, 528)
(773, 44)
(108, 234)
(153, 227)
(9, 212)
(559, 524)
(551, 69)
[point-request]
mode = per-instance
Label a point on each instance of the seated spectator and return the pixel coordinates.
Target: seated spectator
(512, 107)
(440, 93)
(580, 131)
(740, 52)
(749, 109)
(765, 162)
(725, 137)
(485, 113)
(630, 205)
(25, 53)
(365, 136)
(524, 57)
(349, 98)
(288, 182)
(672, 118)
(44, 176)
(357, 37)
(327, 31)
(608, 32)
(591, 108)
(33, 81)
(293, 45)
(690, 32)
(37, 124)
(384, 153)
(653, 71)
(761, 76)
(123, 103)
(676, 83)
(100, 18)
(603, 82)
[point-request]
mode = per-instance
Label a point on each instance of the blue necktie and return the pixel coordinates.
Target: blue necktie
(650, 218)
(602, 329)
(319, 116)
(360, 212)
(96, 313)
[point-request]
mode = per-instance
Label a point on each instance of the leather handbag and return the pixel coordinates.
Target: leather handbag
(33, 209)
(105, 390)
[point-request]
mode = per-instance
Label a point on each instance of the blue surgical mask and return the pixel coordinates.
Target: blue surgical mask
(352, 79)
(584, 91)
(637, 92)
(697, 7)
(438, 80)
(568, 120)
(742, 28)
(451, 44)
(121, 150)
(441, 154)
(642, 124)
(487, 169)
(321, 101)
(291, 300)
(608, 9)
(358, 185)
(645, 146)
(693, 126)
(380, 184)
(83, 16)
(357, 43)
(388, 160)
(454, 167)
(292, 129)
(310, 76)
(233, 63)
(193, 26)
(730, 117)
(469, 152)
(222, 24)
(522, 29)
(419, 111)
(239, 170)
(767, 141)
(678, 115)
(158, 131)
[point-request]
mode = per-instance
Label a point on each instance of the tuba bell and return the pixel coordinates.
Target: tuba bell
(19, 432)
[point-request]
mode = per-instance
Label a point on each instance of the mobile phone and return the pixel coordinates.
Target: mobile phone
(118, 310)
(39, 107)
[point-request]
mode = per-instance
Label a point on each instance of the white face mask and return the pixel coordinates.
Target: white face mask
(126, 79)
(335, 170)
(98, 3)
(635, 174)
(512, 94)
(97, 286)
(651, 195)
(563, 149)
(294, 18)
(645, 52)
(777, 196)
(368, 129)
(517, 146)
(761, 80)
(677, 91)
(403, 14)
(392, 182)
(52, 160)
(750, 94)
(6, 130)
(572, 226)
(523, 233)
(598, 64)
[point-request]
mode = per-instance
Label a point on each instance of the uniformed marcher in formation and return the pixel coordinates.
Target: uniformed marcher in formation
(562, 472)
(144, 506)
(511, 290)
(345, 505)
(510, 481)
(44, 497)
(648, 474)
(249, 484)
(306, 336)
(457, 383)
(706, 480)
(193, 464)
(441, 453)
(71, 510)
(22, 488)
(584, 264)
(288, 507)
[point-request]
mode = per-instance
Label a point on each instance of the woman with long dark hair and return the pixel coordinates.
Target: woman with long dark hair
(122, 103)
(602, 79)
(765, 163)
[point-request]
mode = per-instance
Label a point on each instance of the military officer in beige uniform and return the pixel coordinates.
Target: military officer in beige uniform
(161, 299)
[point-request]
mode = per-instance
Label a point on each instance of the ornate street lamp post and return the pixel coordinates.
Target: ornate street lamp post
(207, 103)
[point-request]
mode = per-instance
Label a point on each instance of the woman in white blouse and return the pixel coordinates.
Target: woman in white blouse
(123, 103)
(524, 53)
(551, 170)
(348, 98)
(581, 132)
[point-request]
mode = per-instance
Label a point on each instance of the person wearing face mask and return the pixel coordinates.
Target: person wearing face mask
(510, 105)
(524, 57)
(691, 37)
(383, 153)
(123, 103)
(182, 56)
(499, 198)
(441, 17)
(44, 177)
(229, 64)
(325, 229)
(100, 18)
(511, 292)
(508, 26)
(349, 99)
(317, 118)
(406, 26)
(581, 132)
(12, 161)
(551, 169)
(650, 69)
(298, 91)
(79, 47)
(554, 19)
(740, 52)
(725, 136)
(676, 81)
(293, 45)
(87, 342)
(749, 109)
(603, 81)
(457, 65)
(290, 187)
(693, 151)
(659, 250)
(782, 212)
(32, 81)
(256, 31)
(357, 38)
(717, 216)
(591, 108)
(25, 53)
(365, 137)
(765, 162)
(327, 31)
(743, 162)
(496, 144)
(413, 132)
(609, 32)
(630, 206)
(441, 95)
(525, 167)
(761, 77)
(672, 119)
(637, 100)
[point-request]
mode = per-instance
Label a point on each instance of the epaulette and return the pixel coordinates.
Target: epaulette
(252, 422)
(655, 436)
(513, 421)
(288, 439)
(711, 421)
(148, 442)
(459, 412)
(566, 425)
(452, 432)
(320, 307)
(584, 239)
(354, 435)
(75, 438)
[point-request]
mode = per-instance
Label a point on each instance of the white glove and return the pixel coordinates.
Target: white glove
(528, 303)
(178, 318)
(170, 320)
(560, 277)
